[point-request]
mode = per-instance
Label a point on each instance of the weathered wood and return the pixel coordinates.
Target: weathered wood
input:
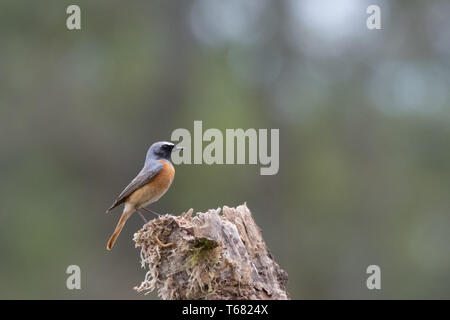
(209, 256)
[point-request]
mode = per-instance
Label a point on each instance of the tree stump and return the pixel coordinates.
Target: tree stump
(209, 256)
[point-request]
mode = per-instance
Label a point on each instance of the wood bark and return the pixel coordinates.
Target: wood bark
(209, 256)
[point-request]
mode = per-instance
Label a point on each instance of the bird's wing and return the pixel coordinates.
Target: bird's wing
(147, 173)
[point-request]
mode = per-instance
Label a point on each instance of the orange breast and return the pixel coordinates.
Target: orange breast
(155, 189)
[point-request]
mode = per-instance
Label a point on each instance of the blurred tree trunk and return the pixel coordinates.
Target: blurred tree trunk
(209, 256)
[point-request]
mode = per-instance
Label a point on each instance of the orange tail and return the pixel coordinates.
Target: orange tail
(123, 218)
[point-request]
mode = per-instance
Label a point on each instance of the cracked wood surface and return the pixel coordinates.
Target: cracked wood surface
(218, 254)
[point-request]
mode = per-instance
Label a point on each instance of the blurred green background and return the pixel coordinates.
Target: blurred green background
(364, 125)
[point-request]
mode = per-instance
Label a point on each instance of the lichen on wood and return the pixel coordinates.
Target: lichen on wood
(209, 256)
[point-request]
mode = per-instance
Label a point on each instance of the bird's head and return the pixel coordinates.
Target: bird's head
(161, 150)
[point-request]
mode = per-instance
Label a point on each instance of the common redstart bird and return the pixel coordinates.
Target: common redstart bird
(150, 184)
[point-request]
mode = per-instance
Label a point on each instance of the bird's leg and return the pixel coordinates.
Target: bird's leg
(142, 216)
(148, 210)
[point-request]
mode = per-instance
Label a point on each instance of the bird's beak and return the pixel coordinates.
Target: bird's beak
(177, 148)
